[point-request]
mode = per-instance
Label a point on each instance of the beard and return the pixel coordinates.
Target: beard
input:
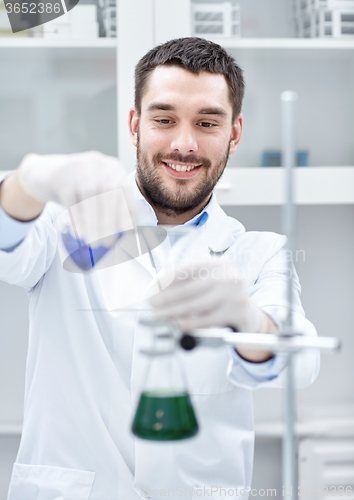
(180, 199)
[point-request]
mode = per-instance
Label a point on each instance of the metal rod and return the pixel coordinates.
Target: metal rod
(289, 443)
(214, 337)
(288, 111)
(267, 341)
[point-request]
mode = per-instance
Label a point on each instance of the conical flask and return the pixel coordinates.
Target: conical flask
(165, 411)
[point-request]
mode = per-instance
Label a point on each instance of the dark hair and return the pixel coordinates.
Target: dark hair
(195, 55)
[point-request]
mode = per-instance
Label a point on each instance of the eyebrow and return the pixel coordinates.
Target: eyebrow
(160, 106)
(212, 111)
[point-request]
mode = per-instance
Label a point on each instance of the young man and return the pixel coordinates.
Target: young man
(85, 369)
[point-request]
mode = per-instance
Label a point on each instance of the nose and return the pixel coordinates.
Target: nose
(184, 140)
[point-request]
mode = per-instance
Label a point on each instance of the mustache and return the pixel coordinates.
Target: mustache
(177, 157)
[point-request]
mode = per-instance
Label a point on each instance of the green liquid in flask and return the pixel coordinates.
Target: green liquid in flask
(165, 416)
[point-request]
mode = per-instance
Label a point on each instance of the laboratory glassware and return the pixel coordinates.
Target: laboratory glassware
(165, 411)
(120, 218)
(85, 255)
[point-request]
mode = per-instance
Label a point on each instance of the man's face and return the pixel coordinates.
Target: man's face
(184, 136)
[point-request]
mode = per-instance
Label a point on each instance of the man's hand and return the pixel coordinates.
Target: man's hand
(16, 202)
(70, 180)
(210, 294)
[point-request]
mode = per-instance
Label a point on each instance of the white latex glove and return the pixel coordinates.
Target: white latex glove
(91, 184)
(208, 294)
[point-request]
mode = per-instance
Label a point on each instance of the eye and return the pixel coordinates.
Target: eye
(164, 121)
(206, 124)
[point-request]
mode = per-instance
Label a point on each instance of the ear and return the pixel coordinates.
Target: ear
(133, 123)
(236, 133)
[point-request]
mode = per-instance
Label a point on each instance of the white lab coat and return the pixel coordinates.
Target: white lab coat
(84, 374)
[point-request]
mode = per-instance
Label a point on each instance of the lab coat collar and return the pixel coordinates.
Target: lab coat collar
(219, 229)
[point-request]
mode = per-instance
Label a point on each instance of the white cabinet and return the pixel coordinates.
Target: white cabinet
(326, 468)
(56, 98)
(322, 74)
(62, 95)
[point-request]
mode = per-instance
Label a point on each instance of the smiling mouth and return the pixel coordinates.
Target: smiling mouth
(181, 168)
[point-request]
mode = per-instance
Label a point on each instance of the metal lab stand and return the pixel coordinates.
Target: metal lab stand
(287, 341)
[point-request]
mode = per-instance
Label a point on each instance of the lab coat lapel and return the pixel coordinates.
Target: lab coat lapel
(123, 285)
(219, 232)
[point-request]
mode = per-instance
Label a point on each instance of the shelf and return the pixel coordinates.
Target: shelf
(326, 427)
(317, 428)
(230, 43)
(11, 430)
(265, 186)
(283, 43)
(30, 43)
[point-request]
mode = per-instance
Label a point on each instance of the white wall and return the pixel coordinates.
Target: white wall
(327, 278)
(13, 341)
(8, 451)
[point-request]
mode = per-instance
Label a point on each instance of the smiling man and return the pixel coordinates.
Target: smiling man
(85, 369)
(185, 128)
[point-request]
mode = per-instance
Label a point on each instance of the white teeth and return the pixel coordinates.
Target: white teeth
(180, 168)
